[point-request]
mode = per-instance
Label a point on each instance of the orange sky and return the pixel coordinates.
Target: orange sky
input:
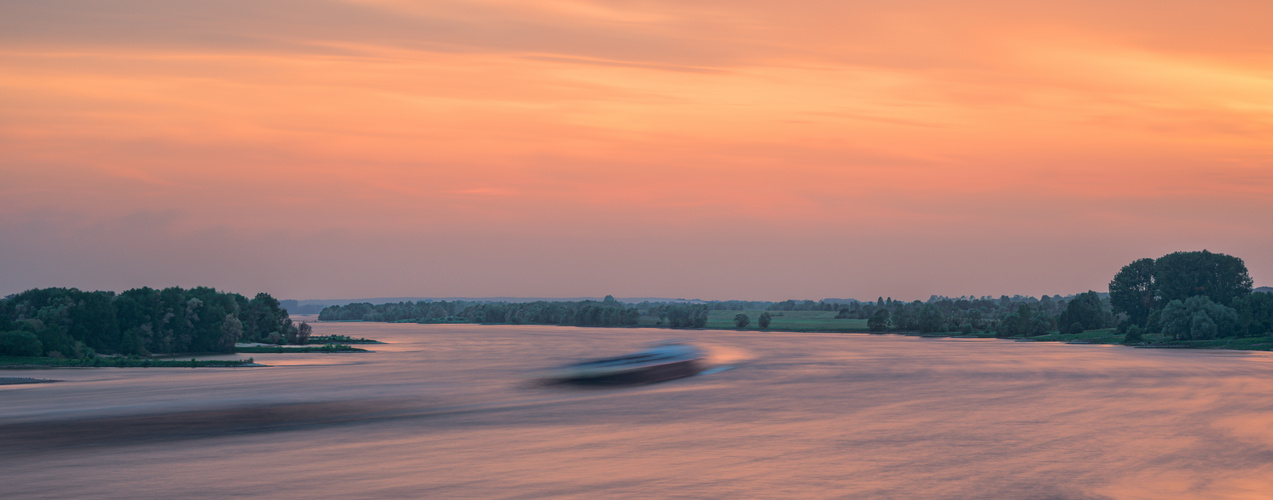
(711, 149)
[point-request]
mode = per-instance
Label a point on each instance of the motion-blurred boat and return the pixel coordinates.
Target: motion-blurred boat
(657, 364)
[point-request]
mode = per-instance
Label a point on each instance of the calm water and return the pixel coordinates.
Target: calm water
(447, 411)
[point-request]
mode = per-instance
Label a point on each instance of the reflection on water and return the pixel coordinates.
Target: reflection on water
(446, 411)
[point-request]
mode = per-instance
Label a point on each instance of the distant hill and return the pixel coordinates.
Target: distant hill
(1264, 289)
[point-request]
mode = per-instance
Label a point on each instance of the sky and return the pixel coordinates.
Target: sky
(697, 149)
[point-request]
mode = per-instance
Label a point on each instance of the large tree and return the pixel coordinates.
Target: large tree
(1219, 277)
(1147, 285)
(1132, 291)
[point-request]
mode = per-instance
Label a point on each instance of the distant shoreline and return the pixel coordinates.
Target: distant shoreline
(1107, 336)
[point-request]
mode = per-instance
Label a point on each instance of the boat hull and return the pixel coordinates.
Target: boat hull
(665, 362)
(639, 376)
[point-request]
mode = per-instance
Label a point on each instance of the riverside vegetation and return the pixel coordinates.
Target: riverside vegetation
(1184, 299)
(70, 327)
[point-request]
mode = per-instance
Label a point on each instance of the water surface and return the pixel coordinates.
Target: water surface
(450, 411)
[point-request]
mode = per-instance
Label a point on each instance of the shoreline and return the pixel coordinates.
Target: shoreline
(37, 363)
(1091, 337)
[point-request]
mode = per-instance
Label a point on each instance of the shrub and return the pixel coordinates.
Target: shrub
(1134, 335)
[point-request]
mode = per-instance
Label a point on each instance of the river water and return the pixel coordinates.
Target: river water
(451, 411)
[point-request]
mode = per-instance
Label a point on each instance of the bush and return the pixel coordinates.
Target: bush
(20, 344)
(1134, 335)
(741, 321)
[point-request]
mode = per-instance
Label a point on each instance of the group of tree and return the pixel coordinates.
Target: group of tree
(1006, 316)
(1190, 296)
(680, 315)
(72, 323)
(742, 321)
(606, 312)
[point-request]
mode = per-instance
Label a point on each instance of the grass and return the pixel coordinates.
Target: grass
(303, 348)
(117, 362)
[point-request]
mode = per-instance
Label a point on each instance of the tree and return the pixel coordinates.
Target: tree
(303, 332)
(1132, 291)
(1087, 311)
(1146, 286)
(765, 318)
(879, 321)
(930, 319)
(685, 315)
(1255, 314)
(263, 316)
(1024, 322)
(1221, 278)
(231, 330)
(741, 321)
(1009, 326)
(18, 343)
(1198, 318)
(436, 312)
(1134, 335)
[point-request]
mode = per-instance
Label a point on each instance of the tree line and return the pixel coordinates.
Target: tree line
(1182, 296)
(1006, 316)
(607, 312)
(67, 322)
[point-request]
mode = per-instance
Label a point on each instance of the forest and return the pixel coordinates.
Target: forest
(67, 322)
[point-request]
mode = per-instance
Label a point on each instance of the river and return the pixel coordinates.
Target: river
(452, 411)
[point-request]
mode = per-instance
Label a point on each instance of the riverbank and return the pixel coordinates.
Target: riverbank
(256, 349)
(19, 362)
(24, 380)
